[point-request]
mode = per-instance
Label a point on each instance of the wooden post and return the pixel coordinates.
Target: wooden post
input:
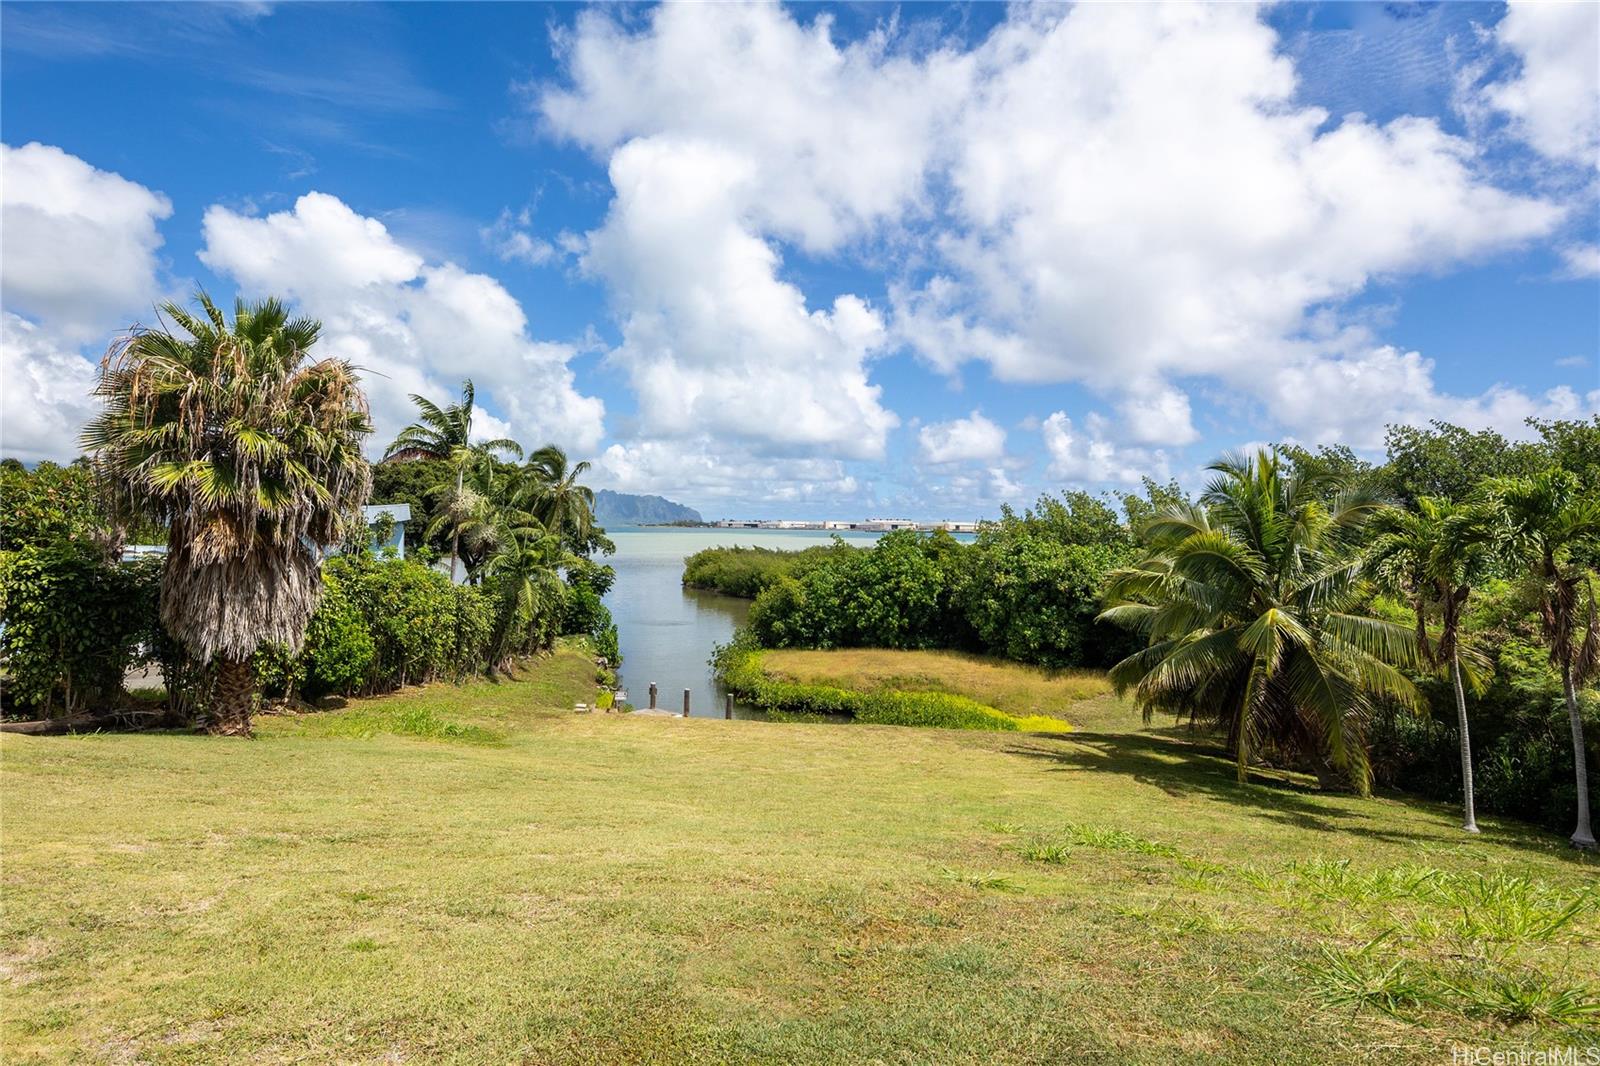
(727, 706)
(652, 695)
(686, 703)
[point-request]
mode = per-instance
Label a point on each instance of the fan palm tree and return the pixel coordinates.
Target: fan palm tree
(446, 433)
(1245, 601)
(249, 452)
(556, 497)
(1547, 518)
(1433, 556)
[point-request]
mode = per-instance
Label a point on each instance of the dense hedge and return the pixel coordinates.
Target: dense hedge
(1027, 589)
(746, 572)
(383, 623)
(738, 666)
(74, 623)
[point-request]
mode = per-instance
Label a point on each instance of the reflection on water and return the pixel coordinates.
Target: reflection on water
(666, 632)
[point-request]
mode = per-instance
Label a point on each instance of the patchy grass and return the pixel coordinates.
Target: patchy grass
(604, 888)
(1011, 687)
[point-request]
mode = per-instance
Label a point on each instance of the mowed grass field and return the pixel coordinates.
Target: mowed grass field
(477, 874)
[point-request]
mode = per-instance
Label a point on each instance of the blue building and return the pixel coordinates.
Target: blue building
(400, 513)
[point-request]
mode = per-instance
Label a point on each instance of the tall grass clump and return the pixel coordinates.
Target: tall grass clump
(739, 666)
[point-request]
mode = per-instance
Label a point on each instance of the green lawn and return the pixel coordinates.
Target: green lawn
(479, 875)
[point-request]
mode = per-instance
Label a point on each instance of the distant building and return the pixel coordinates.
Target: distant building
(887, 525)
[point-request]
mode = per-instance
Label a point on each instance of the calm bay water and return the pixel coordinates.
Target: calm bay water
(666, 632)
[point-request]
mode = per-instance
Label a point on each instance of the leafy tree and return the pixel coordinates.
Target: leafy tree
(1075, 518)
(1572, 445)
(1448, 462)
(250, 453)
(1549, 518)
(49, 503)
(1434, 556)
(1031, 587)
(898, 594)
(415, 483)
(1246, 603)
(1338, 463)
(445, 433)
(1157, 497)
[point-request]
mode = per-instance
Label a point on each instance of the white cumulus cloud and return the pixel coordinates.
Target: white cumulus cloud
(80, 263)
(411, 325)
(701, 471)
(712, 338)
(1350, 399)
(1553, 100)
(1124, 196)
(512, 239)
(974, 438)
(1085, 455)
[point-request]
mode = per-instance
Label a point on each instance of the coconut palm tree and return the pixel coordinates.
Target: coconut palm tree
(249, 451)
(1547, 518)
(525, 572)
(1433, 556)
(1245, 600)
(446, 433)
(556, 497)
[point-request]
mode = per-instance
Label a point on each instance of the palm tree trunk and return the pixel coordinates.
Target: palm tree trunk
(1582, 836)
(455, 534)
(233, 696)
(1470, 821)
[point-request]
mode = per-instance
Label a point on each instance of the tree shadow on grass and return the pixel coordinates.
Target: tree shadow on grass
(1183, 768)
(1181, 764)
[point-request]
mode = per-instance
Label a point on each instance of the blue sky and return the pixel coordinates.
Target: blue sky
(815, 260)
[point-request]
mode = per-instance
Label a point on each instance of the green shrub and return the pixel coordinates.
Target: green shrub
(585, 613)
(47, 504)
(339, 648)
(897, 594)
(472, 621)
(746, 572)
(1027, 589)
(383, 623)
(74, 623)
(409, 612)
(587, 584)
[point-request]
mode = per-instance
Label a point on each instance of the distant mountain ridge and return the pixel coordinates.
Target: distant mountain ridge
(627, 509)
